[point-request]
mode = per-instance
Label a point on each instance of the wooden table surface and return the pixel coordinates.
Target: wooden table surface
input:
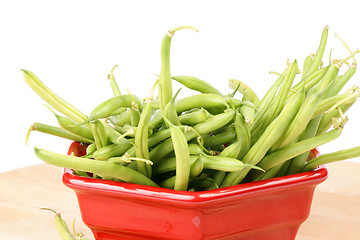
(335, 212)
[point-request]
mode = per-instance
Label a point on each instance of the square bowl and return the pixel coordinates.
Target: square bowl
(270, 209)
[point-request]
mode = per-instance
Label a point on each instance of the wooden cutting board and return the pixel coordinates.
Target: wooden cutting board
(335, 212)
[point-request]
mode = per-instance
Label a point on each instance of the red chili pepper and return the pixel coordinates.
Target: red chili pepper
(313, 154)
(78, 149)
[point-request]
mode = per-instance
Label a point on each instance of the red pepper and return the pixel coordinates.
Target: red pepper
(78, 149)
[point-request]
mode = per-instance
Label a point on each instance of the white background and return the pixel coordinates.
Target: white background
(72, 46)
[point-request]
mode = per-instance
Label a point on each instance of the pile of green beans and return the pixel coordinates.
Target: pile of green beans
(207, 140)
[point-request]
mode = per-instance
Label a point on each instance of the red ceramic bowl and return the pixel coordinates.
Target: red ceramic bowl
(263, 210)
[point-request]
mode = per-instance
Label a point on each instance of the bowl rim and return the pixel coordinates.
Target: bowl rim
(101, 186)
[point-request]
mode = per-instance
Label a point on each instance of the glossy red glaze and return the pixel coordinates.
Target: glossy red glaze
(264, 210)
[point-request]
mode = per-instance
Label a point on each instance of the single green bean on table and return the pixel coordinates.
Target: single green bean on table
(61, 226)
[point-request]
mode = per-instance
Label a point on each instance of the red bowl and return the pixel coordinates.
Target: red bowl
(264, 210)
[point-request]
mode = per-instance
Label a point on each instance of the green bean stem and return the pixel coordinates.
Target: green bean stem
(113, 83)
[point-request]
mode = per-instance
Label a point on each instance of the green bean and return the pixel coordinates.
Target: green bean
(112, 134)
(245, 133)
(126, 158)
(215, 122)
(211, 102)
(99, 134)
(251, 95)
(61, 226)
(113, 83)
(165, 86)
(296, 149)
(168, 183)
(272, 133)
(341, 81)
(127, 130)
(193, 117)
(182, 155)
(196, 84)
(170, 111)
(169, 164)
(195, 149)
(196, 167)
(218, 177)
(226, 136)
(156, 119)
(300, 121)
(285, 88)
(91, 149)
(226, 164)
(326, 81)
(95, 166)
(158, 137)
(320, 52)
(234, 149)
(211, 124)
(52, 99)
(55, 131)
(276, 104)
(112, 150)
(235, 103)
(72, 127)
(267, 99)
(307, 65)
(310, 131)
(121, 119)
(220, 163)
(326, 120)
(331, 157)
(141, 136)
(135, 117)
(248, 112)
(329, 103)
(311, 80)
(108, 107)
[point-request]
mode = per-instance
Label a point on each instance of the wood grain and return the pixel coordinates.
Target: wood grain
(335, 210)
